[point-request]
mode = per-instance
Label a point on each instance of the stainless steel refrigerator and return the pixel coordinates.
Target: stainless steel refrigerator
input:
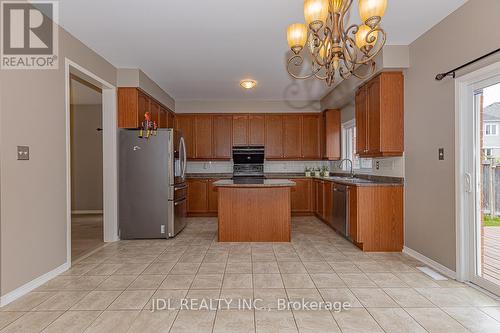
(152, 199)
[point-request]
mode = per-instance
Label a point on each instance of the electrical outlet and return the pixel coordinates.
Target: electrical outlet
(162, 229)
(23, 153)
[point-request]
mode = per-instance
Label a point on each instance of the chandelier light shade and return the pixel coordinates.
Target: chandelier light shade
(334, 49)
(369, 9)
(365, 38)
(315, 13)
(297, 37)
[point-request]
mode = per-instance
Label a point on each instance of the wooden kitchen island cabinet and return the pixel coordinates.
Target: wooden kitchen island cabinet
(259, 212)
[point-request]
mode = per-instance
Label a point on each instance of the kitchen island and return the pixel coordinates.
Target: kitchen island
(254, 211)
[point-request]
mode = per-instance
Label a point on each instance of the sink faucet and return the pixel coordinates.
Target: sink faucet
(351, 173)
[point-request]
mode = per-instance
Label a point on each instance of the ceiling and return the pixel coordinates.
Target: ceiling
(200, 50)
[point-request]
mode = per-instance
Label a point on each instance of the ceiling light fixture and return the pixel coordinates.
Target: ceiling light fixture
(337, 51)
(248, 84)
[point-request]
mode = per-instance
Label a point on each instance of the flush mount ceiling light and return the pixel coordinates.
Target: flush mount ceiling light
(248, 84)
(337, 51)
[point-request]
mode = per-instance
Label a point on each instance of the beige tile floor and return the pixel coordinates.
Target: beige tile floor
(86, 234)
(110, 291)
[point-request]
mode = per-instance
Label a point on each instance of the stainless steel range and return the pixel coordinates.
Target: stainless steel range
(248, 163)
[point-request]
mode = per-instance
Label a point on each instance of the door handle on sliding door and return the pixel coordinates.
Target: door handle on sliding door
(468, 182)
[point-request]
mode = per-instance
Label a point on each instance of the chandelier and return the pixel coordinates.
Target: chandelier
(337, 51)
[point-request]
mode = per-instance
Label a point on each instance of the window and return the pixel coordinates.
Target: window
(349, 148)
(349, 145)
(488, 152)
(490, 129)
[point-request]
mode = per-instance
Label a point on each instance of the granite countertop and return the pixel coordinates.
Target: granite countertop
(263, 183)
(359, 180)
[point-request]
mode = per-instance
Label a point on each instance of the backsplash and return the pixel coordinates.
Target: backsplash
(269, 166)
(388, 166)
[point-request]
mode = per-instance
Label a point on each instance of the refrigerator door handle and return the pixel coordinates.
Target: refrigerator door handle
(184, 159)
(176, 203)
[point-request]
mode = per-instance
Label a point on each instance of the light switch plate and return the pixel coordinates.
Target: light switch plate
(441, 154)
(23, 153)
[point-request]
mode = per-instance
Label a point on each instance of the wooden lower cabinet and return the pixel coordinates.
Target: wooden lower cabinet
(201, 197)
(301, 197)
(376, 218)
(212, 197)
(197, 196)
(318, 188)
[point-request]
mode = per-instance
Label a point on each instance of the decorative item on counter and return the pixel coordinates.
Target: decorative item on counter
(318, 172)
(308, 172)
(148, 126)
(324, 171)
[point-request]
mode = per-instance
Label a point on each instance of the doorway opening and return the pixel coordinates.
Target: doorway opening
(108, 164)
(86, 167)
(478, 178)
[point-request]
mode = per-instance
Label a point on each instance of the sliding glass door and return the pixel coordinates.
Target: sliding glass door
(484, 186)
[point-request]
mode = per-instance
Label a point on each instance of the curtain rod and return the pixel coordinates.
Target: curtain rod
(452, 73)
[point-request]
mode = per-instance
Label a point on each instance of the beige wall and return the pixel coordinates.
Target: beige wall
(33, 193)
(86, 158)
(466, 34)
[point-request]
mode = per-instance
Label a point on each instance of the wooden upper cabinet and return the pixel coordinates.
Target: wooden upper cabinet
(362, 121)
(222, 136)
(163, 122)
(274, 136)
(380, 116)
(133, 103)
(256, 129)
(185, 124)
(144, 106)
(332, 134)
(170, 120)
(373, 116)
(203, 136)
(155, 109)
(322, 136)
(128, 106)
(311, 137)
(292, 136)
(240, 130)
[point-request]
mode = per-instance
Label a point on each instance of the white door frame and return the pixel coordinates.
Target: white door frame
(110, 154)
(465, 168)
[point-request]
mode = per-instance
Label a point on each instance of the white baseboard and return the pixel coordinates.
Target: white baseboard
(431, 263)
(89, 212)
(24, 289)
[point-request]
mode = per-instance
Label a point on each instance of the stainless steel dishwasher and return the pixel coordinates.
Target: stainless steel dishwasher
(340, 218)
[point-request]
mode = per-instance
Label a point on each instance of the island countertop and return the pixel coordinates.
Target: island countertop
(261, 183)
